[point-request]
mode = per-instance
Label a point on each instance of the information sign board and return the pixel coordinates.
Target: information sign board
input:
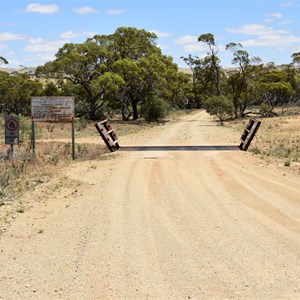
(11, 130)
(52, 109)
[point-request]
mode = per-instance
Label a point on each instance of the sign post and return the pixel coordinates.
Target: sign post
(11, 133)
(53, 109)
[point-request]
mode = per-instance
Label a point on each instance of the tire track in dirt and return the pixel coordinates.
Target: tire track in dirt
(173, 220)
(265, 199)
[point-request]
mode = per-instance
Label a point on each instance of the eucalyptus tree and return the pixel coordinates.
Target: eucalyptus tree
(147, 73)
(164, 83)
(212, 59)
(15, 93)
(150, 77)
(121, 70)
(133, 48)
(175, 84)
(206, 72)
(50, 89)
(293, 78)
(6, 92)
(133, 43)
(200, 82)
(86, 65)
(240, 80)
(296, 59)
(274, 90)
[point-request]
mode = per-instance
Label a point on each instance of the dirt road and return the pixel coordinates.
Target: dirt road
(161, 223)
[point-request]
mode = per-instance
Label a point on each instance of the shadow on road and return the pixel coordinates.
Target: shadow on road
(179, 148)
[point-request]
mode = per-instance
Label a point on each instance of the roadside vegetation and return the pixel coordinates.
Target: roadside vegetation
(277, 138)
(126, 73)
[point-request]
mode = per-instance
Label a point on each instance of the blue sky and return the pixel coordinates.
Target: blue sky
(31, 31)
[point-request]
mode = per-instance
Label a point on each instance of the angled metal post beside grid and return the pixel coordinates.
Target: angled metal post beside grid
(108, 135)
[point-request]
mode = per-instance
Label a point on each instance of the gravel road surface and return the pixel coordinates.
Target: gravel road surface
(178, 213)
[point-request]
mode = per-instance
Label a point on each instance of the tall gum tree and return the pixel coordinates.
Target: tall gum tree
(274, 90)
(131, 45)
(296, 59)
(121, 70)
(239, 80)
(199, 82)
(209, 40)
(86, 65)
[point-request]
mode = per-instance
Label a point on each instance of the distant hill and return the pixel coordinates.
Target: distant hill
(29, 71)
(185, 70)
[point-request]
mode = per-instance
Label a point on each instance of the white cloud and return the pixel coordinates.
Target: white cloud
(10, 24)
(116, 12)
(256, 29)
(282, 42)
(42, 9)
(190, 43)
(276, 15)
(268, 20)
(39, 58)
(163, 47)
(161, 34)
(85, 10)
(13, 63)
(74, 35)
(10, 53)
(188, 39)
(3, 47)
(6, 36)
(286, 4)
(266, 36)
(45, 46)
(194, 48)
(36, 41)
(285, 22)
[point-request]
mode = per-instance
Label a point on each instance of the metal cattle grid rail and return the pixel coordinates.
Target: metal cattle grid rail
(108, 135)
(249, 134)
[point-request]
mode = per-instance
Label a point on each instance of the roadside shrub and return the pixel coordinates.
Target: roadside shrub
(219, 106)
(280, 151)
(82, 124)
(255, 150)
(25, 128)
(154, 109)
(264, 108)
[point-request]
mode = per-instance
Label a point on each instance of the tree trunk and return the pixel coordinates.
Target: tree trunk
(126, 113)
(135, 114)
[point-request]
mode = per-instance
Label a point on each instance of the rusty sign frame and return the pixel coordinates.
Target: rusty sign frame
(52, 109)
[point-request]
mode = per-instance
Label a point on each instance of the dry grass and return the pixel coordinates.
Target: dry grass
(42, 173)
(28, 172)
(277, 137)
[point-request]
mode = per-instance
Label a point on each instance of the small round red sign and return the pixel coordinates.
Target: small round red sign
(12, 124)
